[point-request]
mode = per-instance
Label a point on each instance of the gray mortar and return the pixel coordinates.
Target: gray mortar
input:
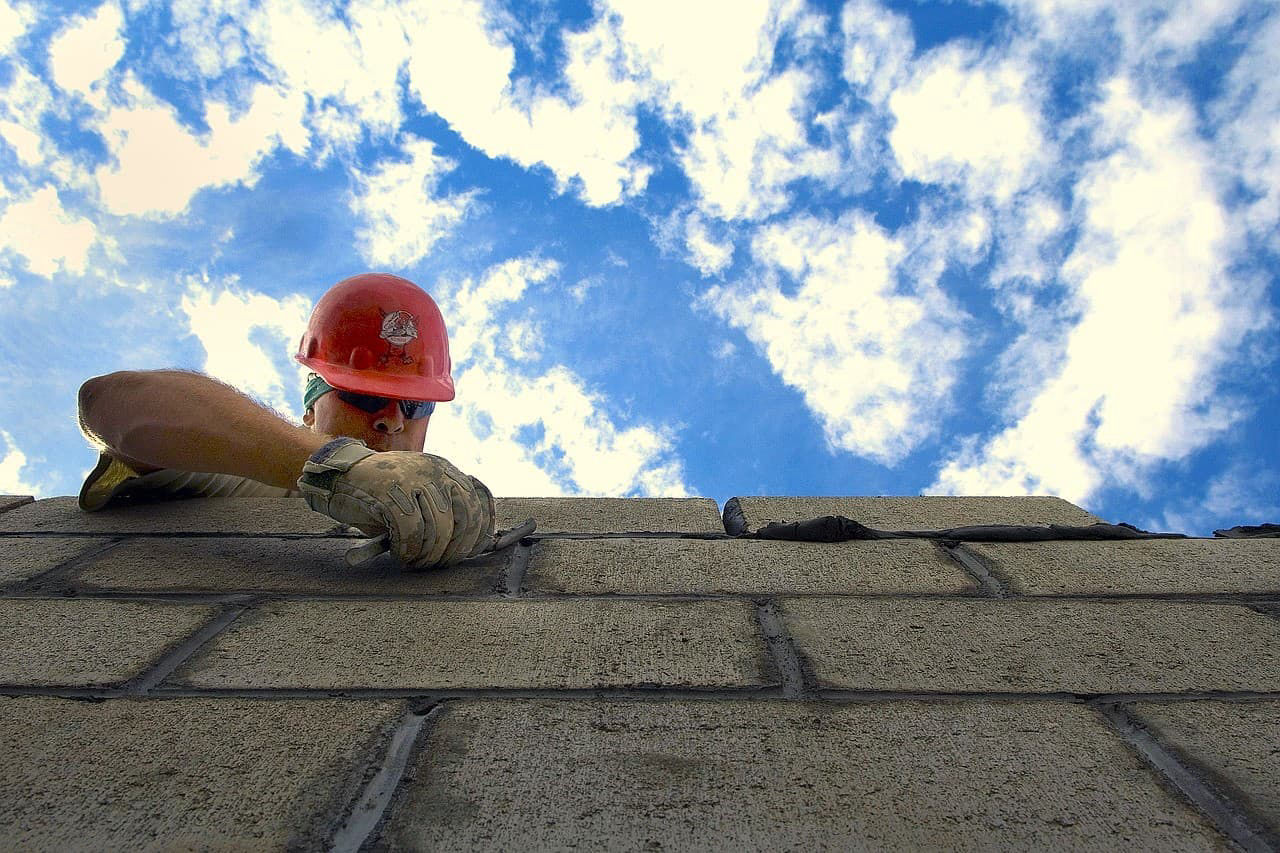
(782, 650)
(990, 581)
(1188, 780)
(179, 654)
(517, 567)
(368, 811)
(782, 775)
(1233, 744)
(31, 564)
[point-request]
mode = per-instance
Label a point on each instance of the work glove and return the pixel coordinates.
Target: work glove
(433, 514)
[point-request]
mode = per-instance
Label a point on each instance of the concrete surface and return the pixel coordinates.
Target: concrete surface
(235, 687)
(23, 558)
(1142, 566)
(75, 642)
(1035, 646)
(448, 644)
(920, 513)
(306, 567)
(8, 502)
(181, 774)
(1238, 743)
(198, 515)
(612, 515)
(745, 566)
(782, 776)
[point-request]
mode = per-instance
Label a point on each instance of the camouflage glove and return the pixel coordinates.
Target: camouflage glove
(433, 513)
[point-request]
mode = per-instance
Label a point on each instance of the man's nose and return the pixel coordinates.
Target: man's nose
(390, 419)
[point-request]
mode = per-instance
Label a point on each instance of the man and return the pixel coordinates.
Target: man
(380, 355)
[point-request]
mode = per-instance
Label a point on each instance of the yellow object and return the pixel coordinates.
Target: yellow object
(103, 482)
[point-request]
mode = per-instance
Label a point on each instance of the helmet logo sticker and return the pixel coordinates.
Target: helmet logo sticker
(398, 329)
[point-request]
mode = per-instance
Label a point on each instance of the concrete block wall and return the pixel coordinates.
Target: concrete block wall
(211, 674)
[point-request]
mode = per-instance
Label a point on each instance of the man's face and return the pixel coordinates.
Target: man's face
(385, 429)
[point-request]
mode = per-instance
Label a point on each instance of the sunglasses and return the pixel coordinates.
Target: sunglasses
(411, 409)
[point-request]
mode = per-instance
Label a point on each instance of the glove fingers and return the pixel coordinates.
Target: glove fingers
(466, 523)
(411, 530)
(487, 517)
(435, 506)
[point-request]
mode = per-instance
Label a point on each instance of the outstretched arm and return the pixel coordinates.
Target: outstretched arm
(153, 419)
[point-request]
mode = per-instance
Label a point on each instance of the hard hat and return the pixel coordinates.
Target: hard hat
(379, 334)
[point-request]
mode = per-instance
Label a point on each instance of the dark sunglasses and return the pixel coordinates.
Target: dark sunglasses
(411, 409)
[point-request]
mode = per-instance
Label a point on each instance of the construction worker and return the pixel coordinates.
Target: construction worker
(379, 353)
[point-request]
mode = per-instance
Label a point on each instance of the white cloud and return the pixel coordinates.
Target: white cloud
(1249, 136)
(747, 136)
(81, 54)
(402, 214)
(1149, 29)
(961, 120)
(1159, 316)
(25, 101)
(210, 34)
(232, 323)
(15, 20)
(529, 432)
(460, 67)
(711, 253)
(50, 239)
(878, 48)
(349, 70)
(874, 353)
(12, 480)
(160, 165)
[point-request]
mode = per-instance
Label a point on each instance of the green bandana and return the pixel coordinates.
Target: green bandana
(316, 388)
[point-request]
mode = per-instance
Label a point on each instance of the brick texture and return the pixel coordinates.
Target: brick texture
(594, 567)
(24, 558)
(450, 644)
(197, 515)
(1238, 743)
(783, 776)
(8, 502)
(303, 566)
(1035, 646)
(612, 515)
(1137, 567)
(921, 513)
(181, 774)
(84, 643)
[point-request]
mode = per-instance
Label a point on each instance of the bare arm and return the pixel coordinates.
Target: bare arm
(175, 419)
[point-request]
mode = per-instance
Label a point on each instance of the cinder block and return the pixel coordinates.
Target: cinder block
(737, 775)
(187, 515)
(742, 566)
(1035, 645)
(1138, 566)
(612, 515)
(22, 557)
(88, 643)
(8, 502)
(1235, 741)
(499, 643)
(302, 566)
(931, 512)
(183, 774)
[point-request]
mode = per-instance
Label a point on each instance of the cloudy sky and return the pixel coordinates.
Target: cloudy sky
(683, 248)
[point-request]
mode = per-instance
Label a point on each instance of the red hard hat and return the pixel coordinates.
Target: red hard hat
(379, 334)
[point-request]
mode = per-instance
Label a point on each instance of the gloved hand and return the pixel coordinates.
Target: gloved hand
(434, 514)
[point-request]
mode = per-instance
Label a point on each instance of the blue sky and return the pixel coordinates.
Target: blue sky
(713, 248)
